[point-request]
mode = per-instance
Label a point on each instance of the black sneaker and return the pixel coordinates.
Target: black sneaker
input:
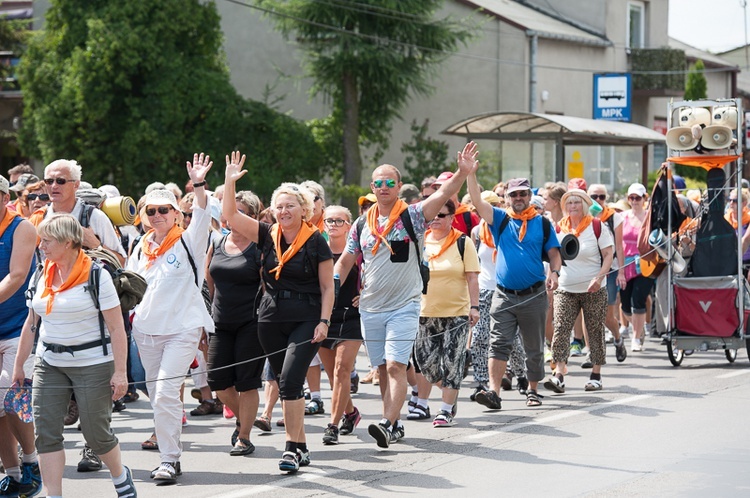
(90, 462)
(31, 480)
(175, 465)
(587, 363)
(331, 435)
(349, 422)
(381, 433)
(9, 487)
(490, 399)
(166, 473)
(621, 352)
(523, 385)
(118, 405)
(397, 432)
(354, 384)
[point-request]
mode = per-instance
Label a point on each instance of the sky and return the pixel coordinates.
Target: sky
(712, 25)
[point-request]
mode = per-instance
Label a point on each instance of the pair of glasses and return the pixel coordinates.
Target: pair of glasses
(390, 183)
(635, 197)
(185, 214)
(520, 193)
(59, 181)
(442, 215)
(732, 200)
(334, 222)
(599, 197)
(160, 210)
(41, 197)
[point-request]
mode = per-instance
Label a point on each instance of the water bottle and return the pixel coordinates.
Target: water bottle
(595, 209)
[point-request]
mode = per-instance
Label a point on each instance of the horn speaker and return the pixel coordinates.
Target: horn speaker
(658, 241)
(681, 138)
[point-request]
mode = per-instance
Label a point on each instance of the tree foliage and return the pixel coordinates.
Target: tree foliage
(368, 58)
(132, 89)
(696, 87)
(424, 155)
(13, 35)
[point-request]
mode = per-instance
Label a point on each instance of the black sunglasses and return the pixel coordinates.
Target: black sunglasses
(442, 215)
(59, 181)
(520, 193)
(41, 197)
(188, 215)
(599, 197)
(160, 209)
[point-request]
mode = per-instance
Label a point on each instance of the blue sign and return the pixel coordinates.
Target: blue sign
(612, 96)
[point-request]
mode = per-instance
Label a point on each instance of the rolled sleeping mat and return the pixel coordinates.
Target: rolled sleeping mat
(569, 247)
(120, 210)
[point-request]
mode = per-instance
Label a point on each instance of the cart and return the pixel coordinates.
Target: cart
(709, 305)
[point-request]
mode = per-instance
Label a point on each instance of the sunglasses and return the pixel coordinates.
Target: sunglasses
(520, 193)
(160, 209)
(59, 181)
(442, 215)
(732, 200)
(635, 197)
(334, 222)
(599, 197)
(186, 214)
(41, 197)
(390, 183)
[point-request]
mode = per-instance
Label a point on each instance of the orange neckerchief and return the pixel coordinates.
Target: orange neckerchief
(607, 213)
(171, 239)
(461, 209)
(38, 216)
(372, 223)
(486, 237)
(321, 224)
(78, 275)
(7, 219)
(525, 215)
(448, 241)
(582, 225)
(731, 217)
(305, 232)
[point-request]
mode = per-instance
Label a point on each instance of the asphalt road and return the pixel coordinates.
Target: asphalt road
(655, 430)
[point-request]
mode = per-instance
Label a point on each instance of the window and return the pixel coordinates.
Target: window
(636, 25)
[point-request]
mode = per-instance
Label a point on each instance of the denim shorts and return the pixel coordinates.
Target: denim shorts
(389, 335)
(612, 289)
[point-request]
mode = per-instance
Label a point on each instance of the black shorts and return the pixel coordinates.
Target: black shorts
(350, 330)
(235, 343)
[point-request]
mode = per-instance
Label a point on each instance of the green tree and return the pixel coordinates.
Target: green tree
(132, 89)
(13, 35)
(696, 87)
(423, 156)
(368, 58)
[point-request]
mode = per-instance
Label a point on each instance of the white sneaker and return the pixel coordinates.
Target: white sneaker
(635, 344)
(623, 331)
(609, 338)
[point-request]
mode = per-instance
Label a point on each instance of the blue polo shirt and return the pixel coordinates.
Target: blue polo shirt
(519, 264)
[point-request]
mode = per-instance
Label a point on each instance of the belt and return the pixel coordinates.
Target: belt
(522, 292)
(59, 348)
(292, 295)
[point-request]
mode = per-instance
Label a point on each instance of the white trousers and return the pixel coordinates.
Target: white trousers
(166, 360)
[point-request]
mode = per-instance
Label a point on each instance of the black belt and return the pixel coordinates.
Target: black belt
(292, 295)
(59, 348)
(522, 292)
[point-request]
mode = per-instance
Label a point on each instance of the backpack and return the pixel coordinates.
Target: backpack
(424, 269)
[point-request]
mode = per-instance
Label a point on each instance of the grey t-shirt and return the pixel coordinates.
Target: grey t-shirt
(390, 280)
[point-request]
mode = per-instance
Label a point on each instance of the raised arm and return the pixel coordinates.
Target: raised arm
(484, 208)
(244, 224)
(467, 162)
(197, 173)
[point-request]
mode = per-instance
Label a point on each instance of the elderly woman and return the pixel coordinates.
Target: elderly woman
(295, 311)
(36, 197)
(172, 318)
(637, 289)
(75, 354)
(234, 280)
(449, 310)
(581, 288)
(339, 351)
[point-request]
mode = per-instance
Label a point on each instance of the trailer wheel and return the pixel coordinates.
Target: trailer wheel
(677, 355)
(731, 355)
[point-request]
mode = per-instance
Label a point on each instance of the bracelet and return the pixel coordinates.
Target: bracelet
(475, 308)
(199, 184)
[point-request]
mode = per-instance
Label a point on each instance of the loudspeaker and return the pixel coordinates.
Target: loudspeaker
(658, 241)
(690, 116)
(717, 137)
(681, 138)
(725, 116)
(569, 247)
(120, 210)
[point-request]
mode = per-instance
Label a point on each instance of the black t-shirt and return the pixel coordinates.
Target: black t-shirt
(236, 282)
(343, 307)
(298, 276)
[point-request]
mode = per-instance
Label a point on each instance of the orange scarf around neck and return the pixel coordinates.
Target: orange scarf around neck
(582, 225)
(78, 275)
(7, 219)
(321, 225)
(525, 215)
(486, 237)
(305, 232)
(731, 217)
(372, 223)
(448, 241)
(171, 239)
(607, 213)
(461, 209)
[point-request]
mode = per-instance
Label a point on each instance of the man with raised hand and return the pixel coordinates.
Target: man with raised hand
(390, 300)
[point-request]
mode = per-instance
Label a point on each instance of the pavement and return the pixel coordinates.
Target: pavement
(655, 430)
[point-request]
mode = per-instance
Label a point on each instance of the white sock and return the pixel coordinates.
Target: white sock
(30, 458)
(120, 479)
(315, 394)
(14, 472)
(447, 407)
(422, 402)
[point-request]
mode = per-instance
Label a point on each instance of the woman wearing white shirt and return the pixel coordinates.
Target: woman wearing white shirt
(171, 319)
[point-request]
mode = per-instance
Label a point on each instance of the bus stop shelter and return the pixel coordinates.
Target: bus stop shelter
(562, 130)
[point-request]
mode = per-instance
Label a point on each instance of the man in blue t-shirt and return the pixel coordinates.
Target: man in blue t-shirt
(520, 300)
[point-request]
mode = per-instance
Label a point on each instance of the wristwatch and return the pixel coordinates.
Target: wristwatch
(475, 308)
(199, 184)
(327, 322)
(556, 271)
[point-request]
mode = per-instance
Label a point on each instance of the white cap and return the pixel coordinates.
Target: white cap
(637, 189)
(161, 198)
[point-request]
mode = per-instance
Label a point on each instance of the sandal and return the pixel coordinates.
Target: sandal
(235, 434)
(554, 384)
(532, 398)
(315, 407)
(242, 447)
(150, 443)
(419, 413)
(263, 423)
(593, 385)
(280, 422)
